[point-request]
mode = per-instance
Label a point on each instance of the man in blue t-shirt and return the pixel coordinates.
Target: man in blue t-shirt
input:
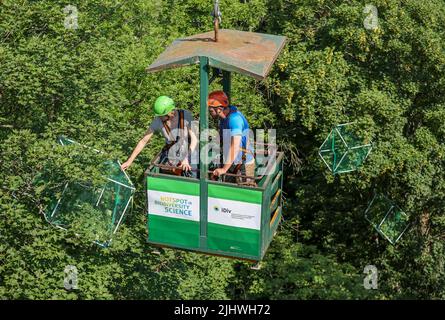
(234, 132)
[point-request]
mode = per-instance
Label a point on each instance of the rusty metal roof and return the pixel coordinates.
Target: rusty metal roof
(247, 53)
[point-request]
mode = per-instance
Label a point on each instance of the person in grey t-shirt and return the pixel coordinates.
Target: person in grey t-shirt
(168, 122)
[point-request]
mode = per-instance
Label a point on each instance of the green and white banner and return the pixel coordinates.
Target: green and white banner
(173, 218)
(234, 220)
(234, 213)
(173, 205)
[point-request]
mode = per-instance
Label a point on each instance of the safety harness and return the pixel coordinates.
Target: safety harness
(167, 146)
(168, 130)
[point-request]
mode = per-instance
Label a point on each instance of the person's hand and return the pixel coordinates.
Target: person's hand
(218, 172)
(185, 165)
(126, 164)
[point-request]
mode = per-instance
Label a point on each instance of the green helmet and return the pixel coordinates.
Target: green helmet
(163, 106)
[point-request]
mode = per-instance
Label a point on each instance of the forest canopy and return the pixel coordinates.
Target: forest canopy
(89, 83)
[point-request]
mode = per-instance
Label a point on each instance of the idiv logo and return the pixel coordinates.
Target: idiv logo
(223, 210)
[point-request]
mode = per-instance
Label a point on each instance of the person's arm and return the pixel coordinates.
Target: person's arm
(193, 143)
(141, 144)
(235, 142)
(236, 133)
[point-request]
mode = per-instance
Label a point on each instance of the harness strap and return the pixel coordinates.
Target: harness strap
(168, 130)
(168, 145)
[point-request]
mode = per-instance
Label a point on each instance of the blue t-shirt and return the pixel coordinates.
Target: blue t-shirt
(235, 124)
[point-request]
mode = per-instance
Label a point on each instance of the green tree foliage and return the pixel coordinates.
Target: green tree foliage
(389, 81)
(90, 84)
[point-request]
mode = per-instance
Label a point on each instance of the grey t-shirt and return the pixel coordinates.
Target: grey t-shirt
(157, 126)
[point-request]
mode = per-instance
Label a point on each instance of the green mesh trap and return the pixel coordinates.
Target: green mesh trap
(92, 212)
(64, 141)
(342, 151)
(387, 218)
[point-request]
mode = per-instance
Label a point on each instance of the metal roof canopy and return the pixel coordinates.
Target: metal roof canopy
(248, 53)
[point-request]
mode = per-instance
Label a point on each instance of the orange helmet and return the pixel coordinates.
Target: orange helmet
(218, 99)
